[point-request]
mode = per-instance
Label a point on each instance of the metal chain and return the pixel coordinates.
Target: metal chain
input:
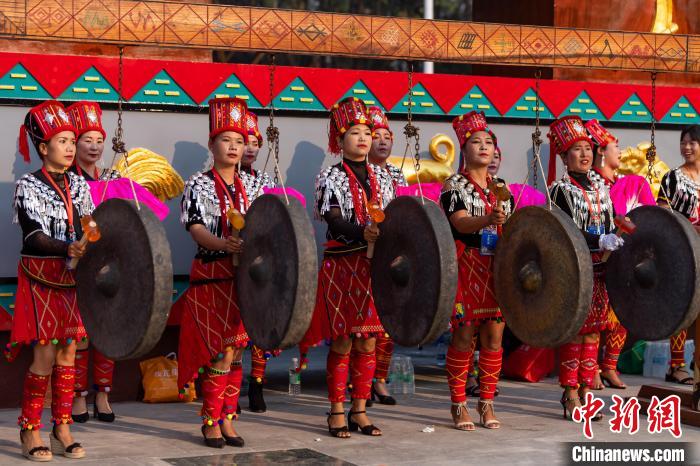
(651, 152)
(537, 134)
(411, 132)
(273, 133)
(118, 145)
(117, 141)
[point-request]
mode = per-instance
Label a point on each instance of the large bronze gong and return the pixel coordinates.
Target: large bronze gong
(414, 271)
(125, 281)
(543, 276)
(277, 275)
(653, 281)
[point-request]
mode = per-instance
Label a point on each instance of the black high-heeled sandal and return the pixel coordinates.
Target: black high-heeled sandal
(369, 429)
(256, 401)
(104, 417)
(383, 399)
(336, 431)
(81, 418)
(236, 441)
(609, 383)
(582, 398)
(568, 415)
(58, 448)
(217, 442)
(31, 454)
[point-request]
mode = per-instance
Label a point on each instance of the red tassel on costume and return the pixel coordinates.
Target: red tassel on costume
(33, 395)
(81, 372)
(102, 371)
(489, 372)
(614, 342)
(23, 146)
(258, 363)
(233, 391)
(678, 348)
(589, 363)
(457, 365)
(213, 389)
(384, 348)
(337, 367)
(62, 390)
(362, 368)
(569, 364)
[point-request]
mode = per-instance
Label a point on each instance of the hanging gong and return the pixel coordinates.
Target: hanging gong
(125, 281)
(277, 275)
(414, 271)
(543, 276)
(653, 281)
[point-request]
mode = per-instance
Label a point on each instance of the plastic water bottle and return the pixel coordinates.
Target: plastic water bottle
(294, 378)
(409, 377)
(441, 356)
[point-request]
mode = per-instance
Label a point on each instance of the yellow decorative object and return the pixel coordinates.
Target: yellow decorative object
(663, 20)
(153, 172)
(634, 162)
(431, 171)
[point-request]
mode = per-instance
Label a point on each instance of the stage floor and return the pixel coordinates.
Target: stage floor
(293, 430)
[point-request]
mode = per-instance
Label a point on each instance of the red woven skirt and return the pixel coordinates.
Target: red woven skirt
(344, 303)
(46, 307)
(476, 298)
(598, 319)
(211, 321)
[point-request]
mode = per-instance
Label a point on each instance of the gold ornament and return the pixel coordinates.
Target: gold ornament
(431, 171)
(634, 162)
(153, 172)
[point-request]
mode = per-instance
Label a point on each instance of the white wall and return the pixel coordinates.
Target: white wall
(182, 138)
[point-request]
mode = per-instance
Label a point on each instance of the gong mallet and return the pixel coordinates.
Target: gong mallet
(624, 226)
(500, 189)
(503, 195)
(235, 218)
(377, 215)
(91, 233)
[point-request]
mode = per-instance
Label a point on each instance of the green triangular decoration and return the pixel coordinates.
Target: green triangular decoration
(298, 96)
(162, 89)
(682, 113)
(633, 110)
(477, 101)
(19, 84)
(90, 86)
(7, 297)
(180, 285)
(584, 107)
(525, 107)
(422, 102)
(361, 91)
(233, 87)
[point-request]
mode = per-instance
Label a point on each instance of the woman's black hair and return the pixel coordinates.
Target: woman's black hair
(693, 131)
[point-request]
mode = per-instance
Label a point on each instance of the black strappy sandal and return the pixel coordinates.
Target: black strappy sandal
(31, 455)
(336, 431)
(383, 399)
(671, 375)
(212, 442)
(58, 448)
(233, 441)
(369, 429)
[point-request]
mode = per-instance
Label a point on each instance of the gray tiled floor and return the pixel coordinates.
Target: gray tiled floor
(531, 434)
